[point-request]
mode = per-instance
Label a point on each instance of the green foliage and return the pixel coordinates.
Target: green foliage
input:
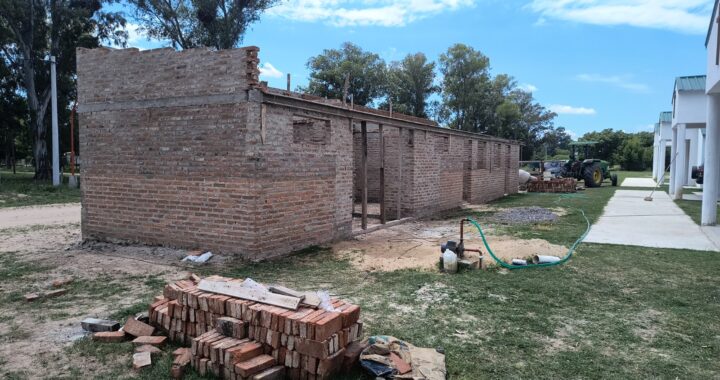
(220, 24)
(410, 83)
(33, 30)
(632, 151)
(473, 100)
(365, 73)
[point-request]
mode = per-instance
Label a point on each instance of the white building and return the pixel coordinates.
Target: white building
(688, 121)
(663, 139)
(712, 149)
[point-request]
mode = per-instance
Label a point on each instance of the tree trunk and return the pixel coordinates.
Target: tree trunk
(40, 151)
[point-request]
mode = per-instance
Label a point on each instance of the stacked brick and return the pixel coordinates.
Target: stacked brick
(555, 185)
(235, 338)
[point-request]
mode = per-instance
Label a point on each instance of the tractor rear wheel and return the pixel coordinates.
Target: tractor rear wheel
(592, 174)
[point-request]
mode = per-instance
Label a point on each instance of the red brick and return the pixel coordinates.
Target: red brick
(109, 336)
(255, 365)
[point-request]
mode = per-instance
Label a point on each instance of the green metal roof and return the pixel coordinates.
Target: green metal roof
(691, 83)
(666, 117)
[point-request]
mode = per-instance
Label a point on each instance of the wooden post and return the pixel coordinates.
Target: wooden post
(363, 173)
(382, 175)
(401, 148)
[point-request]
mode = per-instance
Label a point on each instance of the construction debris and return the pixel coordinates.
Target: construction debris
(137, 328)
(555, 185)
(389, 357)
(31, 297)
(141, 360)
(148, 348)
(109, 336)
(97, 325)
(247, 335)
(157, 341)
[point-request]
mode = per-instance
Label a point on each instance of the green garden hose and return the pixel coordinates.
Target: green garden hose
(562, 261)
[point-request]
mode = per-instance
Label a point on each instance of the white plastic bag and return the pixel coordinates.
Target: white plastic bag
(199, 259)
(325, 301)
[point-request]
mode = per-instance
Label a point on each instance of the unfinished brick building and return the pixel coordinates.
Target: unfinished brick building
(188, 149)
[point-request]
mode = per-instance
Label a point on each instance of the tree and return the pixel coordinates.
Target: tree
(608, 141)
(364, 71)
(33, 30)
(552, 142)
(465, 89)
(14, 113)
(635, 152)
(410, 83)
(220, 24)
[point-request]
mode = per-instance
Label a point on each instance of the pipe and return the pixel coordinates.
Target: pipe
(540, 259)
(561, 261)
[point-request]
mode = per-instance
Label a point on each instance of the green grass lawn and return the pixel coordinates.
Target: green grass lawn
(21, 190)
(614, 312)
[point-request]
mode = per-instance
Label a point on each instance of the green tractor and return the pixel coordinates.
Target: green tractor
(590, 170)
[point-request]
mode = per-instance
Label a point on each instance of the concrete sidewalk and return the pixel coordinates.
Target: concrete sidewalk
(638, 182)
(630, 220)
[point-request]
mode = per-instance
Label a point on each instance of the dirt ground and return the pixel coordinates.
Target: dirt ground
(39, 332)
(416, 245)
(39, 215)
(109, 277)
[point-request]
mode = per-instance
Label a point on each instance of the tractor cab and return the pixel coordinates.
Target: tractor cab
(592, 171)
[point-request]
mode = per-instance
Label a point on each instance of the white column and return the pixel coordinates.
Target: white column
(55, 137)
(655, 161)
(661, 161)
(673, 160)
(712, 161)
(680, 162)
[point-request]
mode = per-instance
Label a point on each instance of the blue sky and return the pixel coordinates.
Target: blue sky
(597, 63)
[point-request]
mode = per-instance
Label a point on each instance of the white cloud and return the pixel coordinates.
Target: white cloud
(269, 71)
(138, 40)
(562, 109)
(527, 87)
(686, 16)
(624, 81)
(389, 13)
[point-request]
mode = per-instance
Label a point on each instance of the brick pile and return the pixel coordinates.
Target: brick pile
(235, 338)
(555, 185)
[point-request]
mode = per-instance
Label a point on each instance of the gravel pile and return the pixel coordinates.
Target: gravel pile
(525, 215)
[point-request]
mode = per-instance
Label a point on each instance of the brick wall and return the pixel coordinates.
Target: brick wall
(185, 149)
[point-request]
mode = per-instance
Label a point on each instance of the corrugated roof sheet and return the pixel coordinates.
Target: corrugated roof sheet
(666, 117)
(692, 83)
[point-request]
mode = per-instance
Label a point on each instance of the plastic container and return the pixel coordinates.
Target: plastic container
(450, 264)
(519, 262)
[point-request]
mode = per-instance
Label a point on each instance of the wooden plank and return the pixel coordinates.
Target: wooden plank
(236, 289)
(401, 149)
(363, 173)
(382, 175)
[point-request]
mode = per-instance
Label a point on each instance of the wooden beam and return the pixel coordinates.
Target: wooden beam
(382, 175)
(401, 149)
(363, 173)
(237, 289)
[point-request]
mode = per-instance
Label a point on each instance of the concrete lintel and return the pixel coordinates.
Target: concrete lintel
(358, 115)
(179, 101)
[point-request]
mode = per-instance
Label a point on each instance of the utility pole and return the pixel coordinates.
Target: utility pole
(55, 137)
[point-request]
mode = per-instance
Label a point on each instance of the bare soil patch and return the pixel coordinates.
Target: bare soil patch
(416, 245)
(39, 215)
